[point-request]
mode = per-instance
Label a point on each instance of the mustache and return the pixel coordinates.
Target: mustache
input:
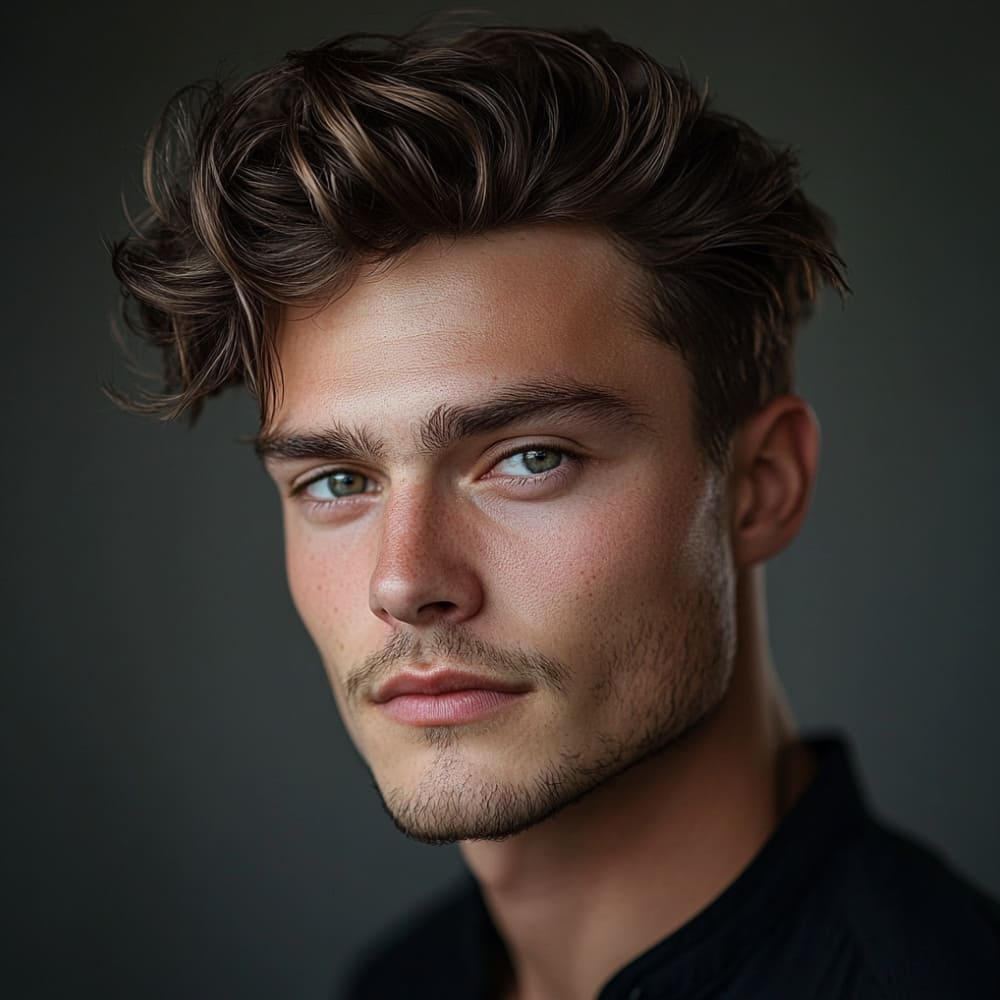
(453, 644)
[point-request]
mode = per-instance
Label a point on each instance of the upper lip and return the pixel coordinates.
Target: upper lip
(441, 682)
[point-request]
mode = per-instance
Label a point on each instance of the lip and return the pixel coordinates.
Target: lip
(444, 697)
(440, 682)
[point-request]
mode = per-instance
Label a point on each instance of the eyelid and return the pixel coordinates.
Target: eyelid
(302, 482)
(572, 454)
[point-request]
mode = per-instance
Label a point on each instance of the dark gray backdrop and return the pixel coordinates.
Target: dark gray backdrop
(184, 817)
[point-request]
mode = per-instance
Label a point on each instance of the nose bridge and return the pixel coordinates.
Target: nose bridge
(421, 573)
(411, 520)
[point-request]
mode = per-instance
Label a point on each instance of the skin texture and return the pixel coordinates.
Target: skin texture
(615, 588)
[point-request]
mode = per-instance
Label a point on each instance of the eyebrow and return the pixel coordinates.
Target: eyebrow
(335, 443)
(452, 422)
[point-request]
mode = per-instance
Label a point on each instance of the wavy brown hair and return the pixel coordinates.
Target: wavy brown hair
(272, 192)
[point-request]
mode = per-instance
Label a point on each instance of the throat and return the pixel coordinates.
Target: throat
(610, 876)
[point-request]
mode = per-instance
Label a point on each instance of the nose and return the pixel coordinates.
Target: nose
(424, 574)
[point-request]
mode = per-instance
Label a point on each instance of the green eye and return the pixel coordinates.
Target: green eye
(531, 462)
(338, 485)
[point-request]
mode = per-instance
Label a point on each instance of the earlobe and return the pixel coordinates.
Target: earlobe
(775, 455)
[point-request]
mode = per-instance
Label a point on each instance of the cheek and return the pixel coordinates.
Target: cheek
(599, 561)
(327, 586)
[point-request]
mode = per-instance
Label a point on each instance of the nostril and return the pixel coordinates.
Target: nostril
(437, 608)
(415, 590)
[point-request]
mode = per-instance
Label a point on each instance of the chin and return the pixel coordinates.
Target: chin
(452, 803)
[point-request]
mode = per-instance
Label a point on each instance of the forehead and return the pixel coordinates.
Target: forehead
(456, 319)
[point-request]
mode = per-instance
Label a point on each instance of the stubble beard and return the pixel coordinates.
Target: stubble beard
(664, 680)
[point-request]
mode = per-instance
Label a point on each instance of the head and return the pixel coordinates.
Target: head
(519, 310)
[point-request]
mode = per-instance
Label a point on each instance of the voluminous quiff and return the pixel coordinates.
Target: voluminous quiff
(274, 191)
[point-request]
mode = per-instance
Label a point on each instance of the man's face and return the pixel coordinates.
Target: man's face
(501, 532)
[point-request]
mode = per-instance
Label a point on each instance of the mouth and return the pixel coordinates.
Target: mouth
(444, 697)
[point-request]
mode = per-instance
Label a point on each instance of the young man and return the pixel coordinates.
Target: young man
(519, 310)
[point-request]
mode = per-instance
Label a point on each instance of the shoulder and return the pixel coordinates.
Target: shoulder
(436, 951)
(919, 928)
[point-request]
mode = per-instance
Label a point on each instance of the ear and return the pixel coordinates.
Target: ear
(774, 457)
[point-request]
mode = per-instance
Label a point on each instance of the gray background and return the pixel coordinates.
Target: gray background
(184, 817)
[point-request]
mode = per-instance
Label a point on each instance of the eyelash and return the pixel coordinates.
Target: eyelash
(299, 489)
(571, 458)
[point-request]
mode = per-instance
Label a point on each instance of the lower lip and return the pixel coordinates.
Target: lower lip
(451, 709)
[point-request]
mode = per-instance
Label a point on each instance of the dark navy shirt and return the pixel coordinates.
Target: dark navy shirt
(834, 905)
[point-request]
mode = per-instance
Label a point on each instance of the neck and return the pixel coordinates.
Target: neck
(578, 896)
